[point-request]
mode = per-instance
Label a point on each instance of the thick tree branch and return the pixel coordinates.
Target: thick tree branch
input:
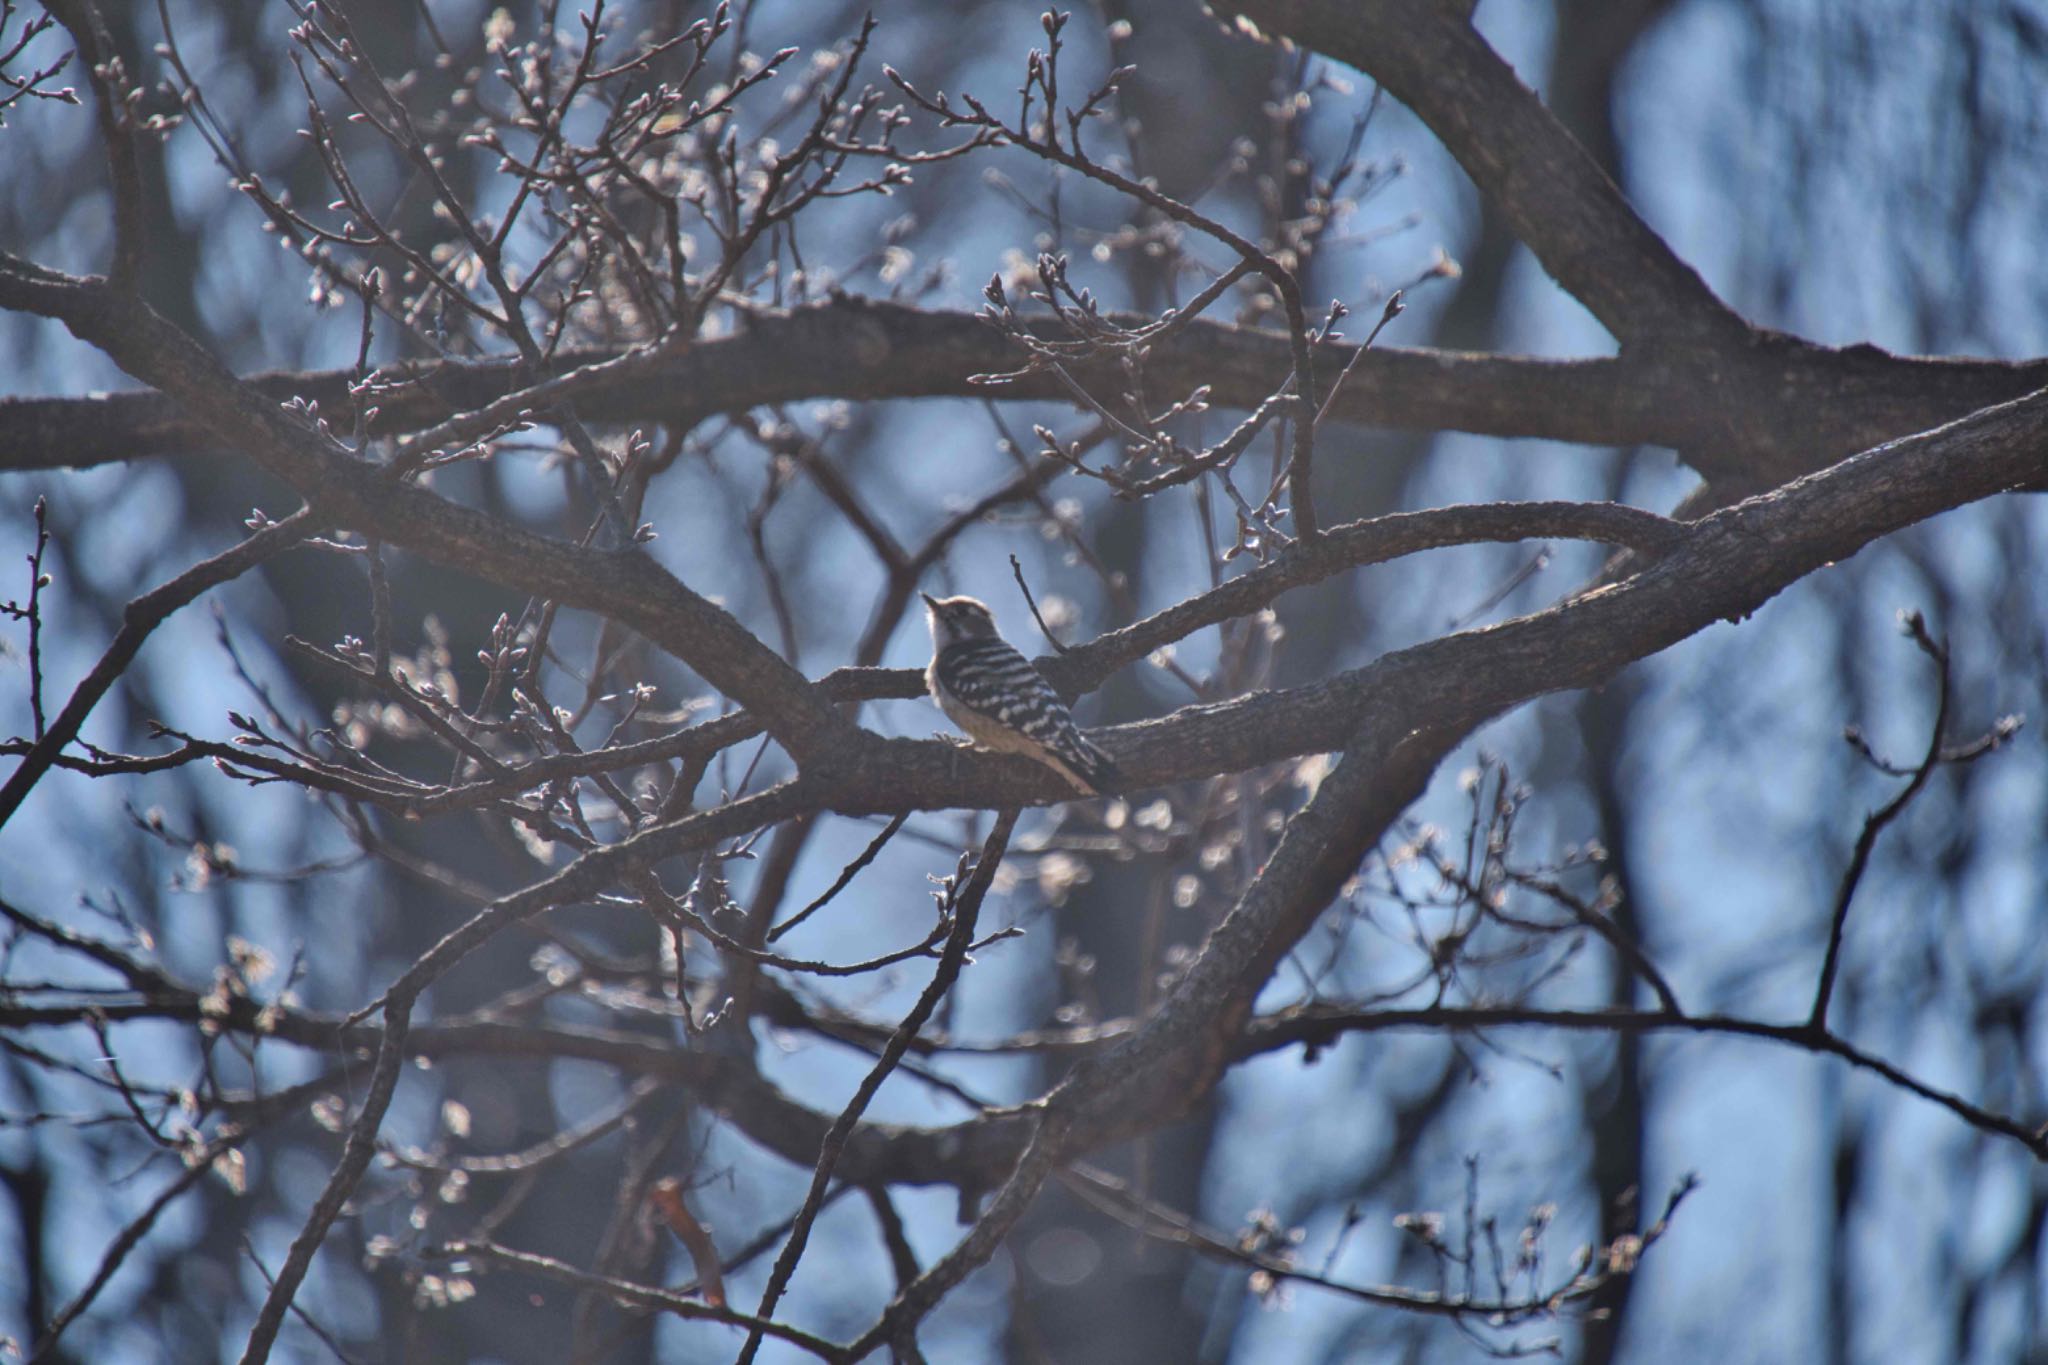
(1551, 192)
(1725, 567)
(117, 113)
(1837, 401)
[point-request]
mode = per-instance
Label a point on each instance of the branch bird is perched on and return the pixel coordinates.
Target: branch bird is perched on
(993, 693)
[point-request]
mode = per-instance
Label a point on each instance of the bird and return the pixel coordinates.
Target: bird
(991, 691)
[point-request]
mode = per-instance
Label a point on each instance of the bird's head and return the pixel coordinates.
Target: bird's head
(958, 618)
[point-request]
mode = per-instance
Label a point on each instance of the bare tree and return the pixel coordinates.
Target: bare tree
(573, 730)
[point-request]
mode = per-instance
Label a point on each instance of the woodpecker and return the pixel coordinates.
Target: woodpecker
(993, 693)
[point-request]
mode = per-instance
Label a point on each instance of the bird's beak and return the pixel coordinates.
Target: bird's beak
(930, 601)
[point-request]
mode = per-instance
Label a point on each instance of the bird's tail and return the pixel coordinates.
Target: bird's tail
(1093, 769)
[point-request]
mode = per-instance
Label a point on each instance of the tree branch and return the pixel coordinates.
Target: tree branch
(627, 586)
(1552, 193)
(1838, 400)
(966, 910)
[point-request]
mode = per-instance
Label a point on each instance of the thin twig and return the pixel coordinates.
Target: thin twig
(199, 1164)
(141, 617)
(966, 908)
(639, 1295)
(845, 877)
(1874, 825)
(1017, 569)
(356, 1153)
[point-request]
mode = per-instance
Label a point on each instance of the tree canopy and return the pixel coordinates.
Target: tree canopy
(1553, 571)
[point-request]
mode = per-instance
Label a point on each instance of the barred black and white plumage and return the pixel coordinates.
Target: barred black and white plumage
(993, 693)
